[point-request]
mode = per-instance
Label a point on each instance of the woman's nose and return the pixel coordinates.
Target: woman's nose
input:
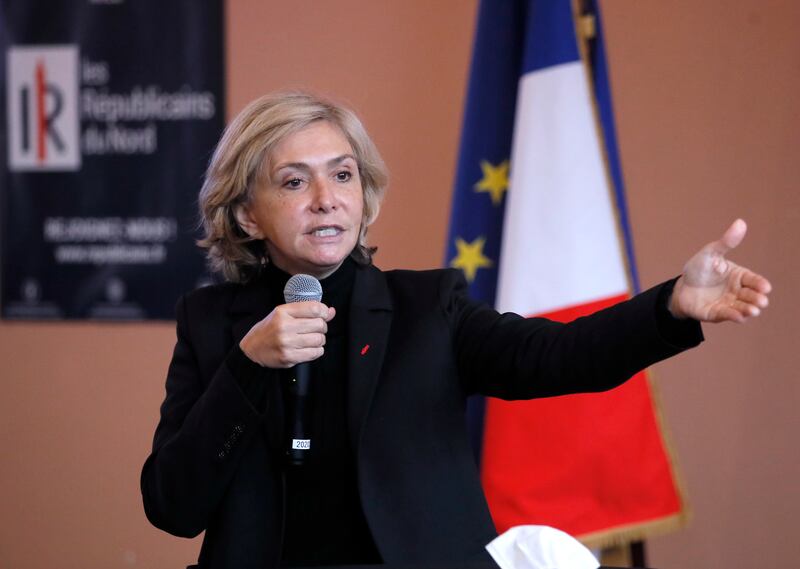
(323, 197)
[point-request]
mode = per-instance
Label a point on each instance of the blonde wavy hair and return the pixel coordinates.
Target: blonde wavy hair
(236, 169)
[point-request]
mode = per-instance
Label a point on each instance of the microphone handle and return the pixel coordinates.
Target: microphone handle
(300, 439)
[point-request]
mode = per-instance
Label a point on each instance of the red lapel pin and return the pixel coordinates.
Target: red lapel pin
(365, 349)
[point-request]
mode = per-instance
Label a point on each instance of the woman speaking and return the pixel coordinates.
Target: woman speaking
(383, 471)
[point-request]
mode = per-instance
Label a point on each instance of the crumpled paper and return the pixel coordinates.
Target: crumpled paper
(540, 547)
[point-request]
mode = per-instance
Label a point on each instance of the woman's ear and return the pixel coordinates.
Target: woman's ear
(246, 222)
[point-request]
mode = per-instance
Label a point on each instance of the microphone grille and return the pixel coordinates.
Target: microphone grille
(301, 288)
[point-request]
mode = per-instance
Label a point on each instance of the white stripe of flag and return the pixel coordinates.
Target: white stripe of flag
(561, 245)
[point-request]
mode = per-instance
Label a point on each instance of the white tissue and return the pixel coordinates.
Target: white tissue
(540, 547)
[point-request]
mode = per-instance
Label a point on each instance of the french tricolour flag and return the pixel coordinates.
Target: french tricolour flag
(539, 214)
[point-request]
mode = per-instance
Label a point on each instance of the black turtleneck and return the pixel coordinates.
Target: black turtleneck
(324, 523)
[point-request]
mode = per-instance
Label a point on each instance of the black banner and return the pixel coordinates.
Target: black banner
(111, 111)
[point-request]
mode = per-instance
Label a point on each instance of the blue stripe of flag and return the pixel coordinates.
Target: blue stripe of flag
(550, 35)
(602, 87)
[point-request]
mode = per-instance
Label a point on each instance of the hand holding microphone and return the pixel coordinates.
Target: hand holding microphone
(291, 334)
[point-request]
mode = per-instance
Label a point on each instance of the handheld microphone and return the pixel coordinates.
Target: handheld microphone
(300, 288)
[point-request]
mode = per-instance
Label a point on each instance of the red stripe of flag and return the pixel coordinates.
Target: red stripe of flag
(525, 487)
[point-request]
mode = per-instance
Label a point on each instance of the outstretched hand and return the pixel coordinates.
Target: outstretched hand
(715, 289)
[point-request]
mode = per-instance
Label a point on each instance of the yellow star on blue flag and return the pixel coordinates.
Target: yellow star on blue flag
(494, 181)
(470, 257)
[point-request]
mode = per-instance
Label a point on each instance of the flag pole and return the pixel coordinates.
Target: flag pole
(586, 28)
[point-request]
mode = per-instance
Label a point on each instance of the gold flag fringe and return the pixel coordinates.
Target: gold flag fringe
(585, 30)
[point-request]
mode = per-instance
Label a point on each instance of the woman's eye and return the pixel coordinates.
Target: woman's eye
(294, 183)
(344, 176)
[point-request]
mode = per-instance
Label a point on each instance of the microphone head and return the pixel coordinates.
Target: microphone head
(301, 288)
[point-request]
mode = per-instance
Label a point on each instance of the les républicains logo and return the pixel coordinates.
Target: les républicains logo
(42, 108)
(62, 107)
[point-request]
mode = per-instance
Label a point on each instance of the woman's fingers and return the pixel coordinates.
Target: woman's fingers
(307, 355)
(307, 326)
(291, 334)
(753, 297)
(732, 312)
(730, 239)
(756, 282)
(735, 310)
(312, 340)
(308, 309)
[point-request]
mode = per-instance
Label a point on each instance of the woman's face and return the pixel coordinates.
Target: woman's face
(308, 208)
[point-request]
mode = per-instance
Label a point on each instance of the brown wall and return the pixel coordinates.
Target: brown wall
(709, 125)
(705, 96)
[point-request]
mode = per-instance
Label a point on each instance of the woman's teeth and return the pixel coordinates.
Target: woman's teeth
(326, 232)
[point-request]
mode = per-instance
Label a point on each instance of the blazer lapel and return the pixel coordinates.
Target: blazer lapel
(370, 321)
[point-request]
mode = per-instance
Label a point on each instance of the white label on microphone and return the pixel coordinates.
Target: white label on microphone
(301, 444)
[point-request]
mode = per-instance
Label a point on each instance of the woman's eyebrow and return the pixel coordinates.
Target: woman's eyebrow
(339, 159)
(292, 165)
(304, 166)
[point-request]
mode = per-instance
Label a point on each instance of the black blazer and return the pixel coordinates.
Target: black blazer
(418, 347)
